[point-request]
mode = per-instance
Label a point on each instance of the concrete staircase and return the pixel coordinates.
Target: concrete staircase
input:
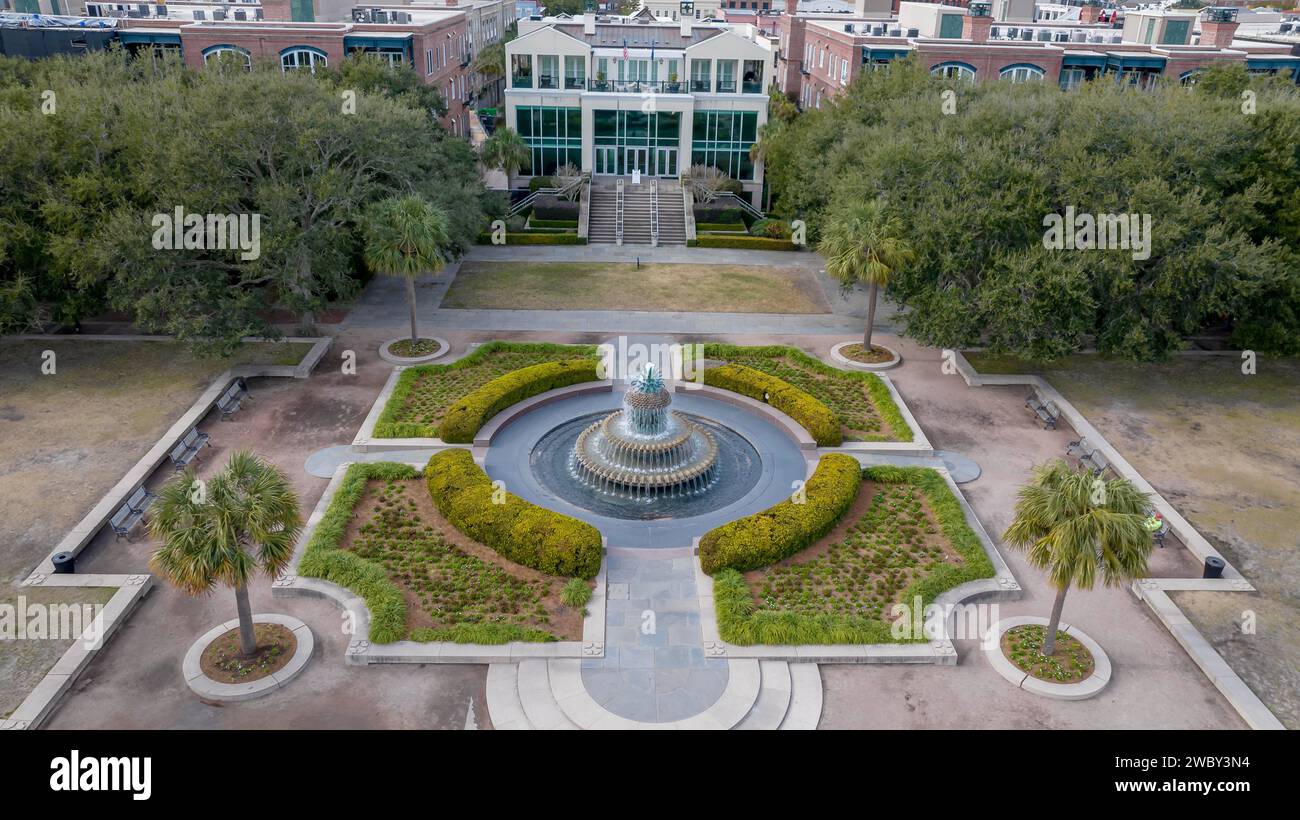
(602, 225)
(549, 694)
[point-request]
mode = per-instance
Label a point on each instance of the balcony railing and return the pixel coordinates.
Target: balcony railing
(751, 88)
(547, 81)
(726, 86)
(521, 81)
(575, 82)
(700, 86)
(637, 86)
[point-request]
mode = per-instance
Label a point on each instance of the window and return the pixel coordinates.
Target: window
(954, 71)
(521, 71)
(722, 139)
(554, 137)
(293, 59)
(222, 56)
(752, 78)
(548, 71)
(726, 77)
(1021, 73)
(844, 72)
(700, 75)
(428, 61)
(575, 72)
(1072, 78)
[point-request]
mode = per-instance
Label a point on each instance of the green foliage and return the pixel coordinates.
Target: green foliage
(785, 528)
(818, 419)
(464, 418)
(741, 622)
(576, 593)
(506, 151)
(753, 243)
(860, 400)
(552, 223)
(323, 559)
(522, 532)
(536, 239)
(972, 189)
(539, 182)
(424, 393)
(729, 227)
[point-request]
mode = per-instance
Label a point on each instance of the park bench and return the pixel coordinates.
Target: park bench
(1095, 461)
(187, 449)
(233, 399)
(1046, 411)
(125, 520)
(1080, 448)
(141, 499)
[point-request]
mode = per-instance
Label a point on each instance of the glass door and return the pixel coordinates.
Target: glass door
(637, 160)
(606, 160)
(666, 162)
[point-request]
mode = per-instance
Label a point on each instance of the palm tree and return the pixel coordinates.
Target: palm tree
(1077, 526)
(406, 236)
(505, 150)
(864, 244)
(223, 530)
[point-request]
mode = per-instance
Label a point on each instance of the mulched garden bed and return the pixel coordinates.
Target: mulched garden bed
(223, 662)
(407, 350)
(1070, 663)
(877, 354)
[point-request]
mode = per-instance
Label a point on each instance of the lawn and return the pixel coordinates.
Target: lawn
(1221, 446)
(905, 536)
(867, 411)
(24, 662)
(455, 589)
(424, 393)
(627, 286)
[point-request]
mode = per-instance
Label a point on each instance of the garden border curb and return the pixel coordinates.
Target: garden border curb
(1086, 688)
(871, 368)
(392, 358)
(211, 690)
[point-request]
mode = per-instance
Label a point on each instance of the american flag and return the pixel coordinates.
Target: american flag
(624, 48)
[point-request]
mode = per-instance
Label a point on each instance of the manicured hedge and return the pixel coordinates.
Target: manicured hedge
(718, 215)
(535, 239)
(388, 425)
(818, 419)
(323, 559)
(464, 418)
(740, 623)
(520, 531)
(552, 207)
(785, 528)
(737, 227)
(539, 182)
(753, 243)
(552, 223)
(881, 398)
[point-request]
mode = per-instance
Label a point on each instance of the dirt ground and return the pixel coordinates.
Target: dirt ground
(1224, 448)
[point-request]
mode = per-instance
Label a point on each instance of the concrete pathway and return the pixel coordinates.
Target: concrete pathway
(654, 669)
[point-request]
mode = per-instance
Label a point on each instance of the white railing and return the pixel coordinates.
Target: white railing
(618, 211)
(523, 204)
(654, 213)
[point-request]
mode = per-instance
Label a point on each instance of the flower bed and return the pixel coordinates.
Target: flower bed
(522, 532)
(464, 418)
(866, 410)
(818, 419)
(907, 538)
(1070, 663)
(425, 393)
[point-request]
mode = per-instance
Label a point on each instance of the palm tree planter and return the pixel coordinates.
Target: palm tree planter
(407, 236)
(863, 244)
(222, 531)
(1080, 528)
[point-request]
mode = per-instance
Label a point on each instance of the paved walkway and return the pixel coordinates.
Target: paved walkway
(654, 669)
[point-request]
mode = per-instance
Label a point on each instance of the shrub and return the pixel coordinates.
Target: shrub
(535, 239)
(520, 531)
(552, 223)
(738, 227)
(818, 419)
(575, 594)
(785, 528)
(720, 215)
(539, 182)
(323, 559)
(770, 228)
(464, 418)
(551, 207)
(753, 243)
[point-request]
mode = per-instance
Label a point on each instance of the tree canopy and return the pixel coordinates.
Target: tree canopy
(127, 140)
(972, 188)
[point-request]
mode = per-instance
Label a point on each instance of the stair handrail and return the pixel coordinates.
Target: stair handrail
(618, 210)
(654, 213)
(688, 213)
(520, 206)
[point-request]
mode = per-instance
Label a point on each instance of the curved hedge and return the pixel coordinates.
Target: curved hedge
(523, 532)
(785, 528)
(323, 559)
(464, 418)
(818, 419)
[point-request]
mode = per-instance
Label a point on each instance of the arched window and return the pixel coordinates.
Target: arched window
(954, 71)
(224, 55)
(302, 57)
(1021, 73)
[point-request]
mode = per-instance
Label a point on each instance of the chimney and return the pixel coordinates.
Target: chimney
(865, 8)
(1218, 27)
(686, 26)
(977, 22)
(1089, 14)
(277, 10)
(589, 24)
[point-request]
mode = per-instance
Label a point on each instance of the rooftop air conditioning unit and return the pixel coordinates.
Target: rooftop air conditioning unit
(240, 14)
(257, 14)
(1062, 37)
(144, 9)
(218, 14)
(361, 15)
(895, 32)
(1044, 35)
(848, 27)
(913, 32)
(403, 17)
(995, 33)
(1027, 34)
(878, 31)
(1013, 33)
(1284, 28)
(160, 11)
(200, 14)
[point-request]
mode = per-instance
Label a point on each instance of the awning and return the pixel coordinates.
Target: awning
(1118, 60)
(149, 37)
(1272, 63)
(1083, 60)
(395, 42)
(874, 53)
